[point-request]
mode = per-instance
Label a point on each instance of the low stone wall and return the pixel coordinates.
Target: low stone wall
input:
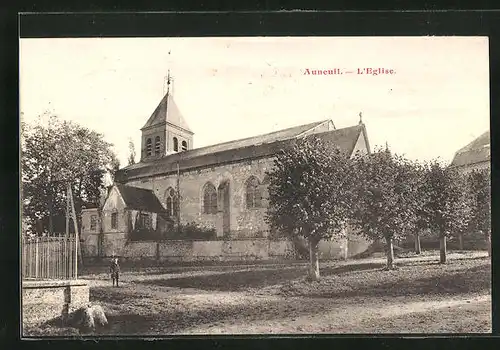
(189, 251)
(45, 300)
(231, 250)
(474, 241)
(357, 244)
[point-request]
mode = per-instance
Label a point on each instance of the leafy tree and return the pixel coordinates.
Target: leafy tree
(480, 187)
(446, 205)
(311, 194)
(465, 212)
(420, 223)
(387, 198)
(54, 154)
(131, 149)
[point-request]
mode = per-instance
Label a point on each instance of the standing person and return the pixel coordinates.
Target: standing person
(115, 271)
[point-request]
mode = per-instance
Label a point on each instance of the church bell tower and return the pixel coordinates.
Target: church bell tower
(166, 132)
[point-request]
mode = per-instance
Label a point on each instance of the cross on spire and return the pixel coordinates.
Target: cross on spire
(168, 77)
(168, 81)
(360, 118)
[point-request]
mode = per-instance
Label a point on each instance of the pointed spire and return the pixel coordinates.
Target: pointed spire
(360, 118)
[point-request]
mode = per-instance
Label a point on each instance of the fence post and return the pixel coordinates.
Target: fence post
(36, 258)
(76, 255)
(29, 261)
(64, 260)
(46, 254)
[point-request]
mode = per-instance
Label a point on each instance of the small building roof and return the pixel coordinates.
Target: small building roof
(259, 147)
(136, 198)
(477, 151)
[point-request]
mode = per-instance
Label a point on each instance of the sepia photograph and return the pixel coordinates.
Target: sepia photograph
(254, 185)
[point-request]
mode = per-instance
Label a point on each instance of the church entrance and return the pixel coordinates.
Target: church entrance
(224, 217)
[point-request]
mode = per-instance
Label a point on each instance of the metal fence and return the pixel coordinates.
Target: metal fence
(49, 258)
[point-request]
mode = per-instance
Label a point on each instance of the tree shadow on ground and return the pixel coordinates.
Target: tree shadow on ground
(240, 280)
(226, 267)
(166, 268)
(344, 269)
(472, 280)
(231, 280)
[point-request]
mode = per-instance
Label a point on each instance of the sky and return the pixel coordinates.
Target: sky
(436, 101)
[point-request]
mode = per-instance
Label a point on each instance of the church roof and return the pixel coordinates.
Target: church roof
(283, 134)
(477, 151)
(240, 150)
(167, 112)
(136, 198)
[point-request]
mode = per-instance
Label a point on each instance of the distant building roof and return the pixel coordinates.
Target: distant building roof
(140, 199)
(167, 112)
(478, 151)
(234, 151)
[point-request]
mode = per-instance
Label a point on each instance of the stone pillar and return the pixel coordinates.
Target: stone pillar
(45, 300)
(77, 295)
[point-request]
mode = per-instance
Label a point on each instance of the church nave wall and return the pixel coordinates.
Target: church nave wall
(244, 222)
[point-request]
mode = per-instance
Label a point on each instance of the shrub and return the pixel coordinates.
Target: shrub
(193, 231)
(190, 231)
(144, 235)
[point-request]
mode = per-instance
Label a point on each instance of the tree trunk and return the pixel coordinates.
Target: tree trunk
(314, 261)
(390, 253)
(301, 247)
(346, 248)
(418, 249)
(461, 241)
(442, 249)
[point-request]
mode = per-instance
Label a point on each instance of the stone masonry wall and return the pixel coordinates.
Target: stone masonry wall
(230, 250)
(189, 251)
(244, 222)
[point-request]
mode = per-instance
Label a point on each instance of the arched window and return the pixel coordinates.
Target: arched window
(114, 220)
(157, 145)
(148, 147)
(171, 202)
(209, 199)
(176, 144)
(253, 193)
(184, 145)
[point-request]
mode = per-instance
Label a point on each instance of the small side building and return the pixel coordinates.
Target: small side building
(128, 212)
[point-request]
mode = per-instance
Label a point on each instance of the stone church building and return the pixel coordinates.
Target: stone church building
(222, 187)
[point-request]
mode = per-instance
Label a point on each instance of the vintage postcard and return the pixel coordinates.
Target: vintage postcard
(255, 185)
